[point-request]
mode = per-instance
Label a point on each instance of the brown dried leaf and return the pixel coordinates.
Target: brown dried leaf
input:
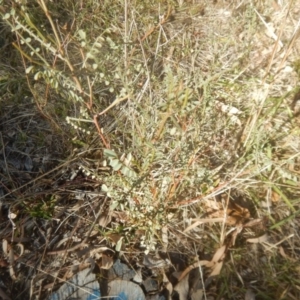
(237, 211)
(193, 266)
(21, 247)
(154, 262)
(261, 239)
(216, 269)
(283, 254)
(235, 214)
(182, 287)
(9, 253)
(106, 262)
(5, 247)
(97, 253)
(120, 216)
(202, 221)
(104, 219)
(216, 263)
(256, 222)
(275, 197)
(211, 205)
(169, 287)
(238, 229)
(164, 238)
(219, 254)
(12, 273)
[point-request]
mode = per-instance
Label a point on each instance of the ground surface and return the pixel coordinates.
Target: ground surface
(158, 136)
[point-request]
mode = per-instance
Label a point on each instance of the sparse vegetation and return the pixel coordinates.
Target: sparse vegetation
(146, 127)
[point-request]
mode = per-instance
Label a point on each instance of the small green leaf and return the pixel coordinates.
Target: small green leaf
(28, 70)
(119, 244)
(115, 164)
(109, 153)
(37, 75)
(113, 205)
(90, 55)
(128, 172)
(6, 16)
(98, 45)
(104, 188)
(129, 157)
(173, 131)
(82, 34)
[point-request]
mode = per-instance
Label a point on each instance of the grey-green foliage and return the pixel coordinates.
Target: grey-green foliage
(86, 59)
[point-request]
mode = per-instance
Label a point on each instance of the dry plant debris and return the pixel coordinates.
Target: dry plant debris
(160, 136)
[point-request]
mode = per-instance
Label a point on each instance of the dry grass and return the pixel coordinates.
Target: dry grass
(184, 137)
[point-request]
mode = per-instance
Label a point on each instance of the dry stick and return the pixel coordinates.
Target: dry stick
(38, 178)
(126, 34)
(117, 101)
(221, 188)
(151, 30)
(255, 116)
(288, 51)
(65, 256)
(161, 127)
(273, 54)
(222, 235)
(72, 249)
(175, 184)
(61, 280)
(148, 81)
(4, 157)
(60, 50)
(45, 9)
(269, 67)
(277, 43)
(254, 119)
(164, 20)
(195, 265)
(76, 80)
(291, 43)
(106, 144)
(28, 82)
(89, 106)
(86, 237)
(26, 55)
